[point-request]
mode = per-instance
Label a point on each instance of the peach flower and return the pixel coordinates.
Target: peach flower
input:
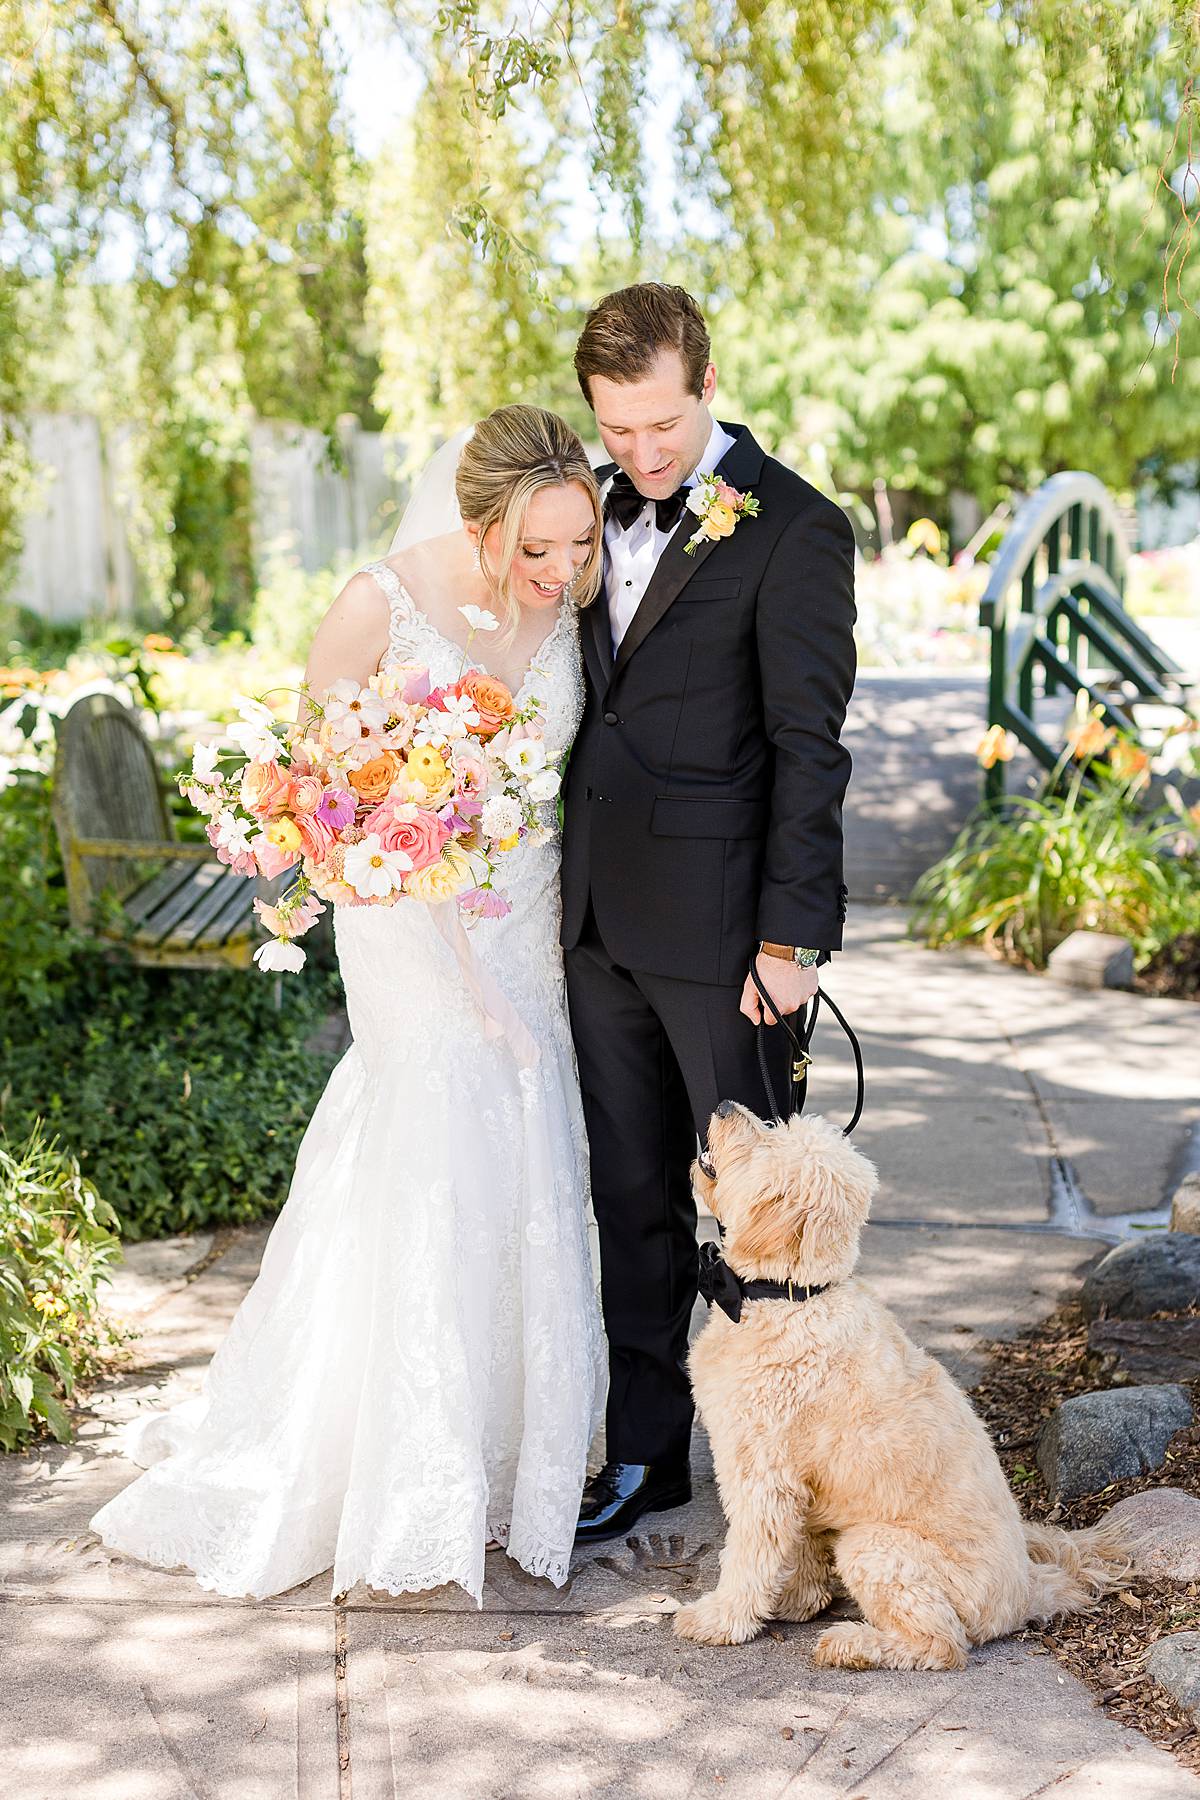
(372, 781)
(264, 789)
(415, 830)
(492, 699)
(317, 836)
(305, 793)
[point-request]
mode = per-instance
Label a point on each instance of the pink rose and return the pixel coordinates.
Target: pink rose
(264, 789)
(728, 496)
(305, 793)
(413, 829)
(317, 836)
(271, 862)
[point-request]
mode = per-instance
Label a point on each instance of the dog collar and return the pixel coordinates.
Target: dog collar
(719, 1283)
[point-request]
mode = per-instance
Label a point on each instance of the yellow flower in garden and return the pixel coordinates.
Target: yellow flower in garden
(996, 745)
(283, 835)
(1089, 737)
(427, 765)
(1128, 760)
(923, 534)
(451, 875)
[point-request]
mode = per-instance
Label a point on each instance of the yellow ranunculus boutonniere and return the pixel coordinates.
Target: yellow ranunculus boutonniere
(718, 508)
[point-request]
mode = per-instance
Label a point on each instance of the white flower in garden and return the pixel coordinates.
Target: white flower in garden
(281, 956)
(501, 816)
(479, 619)
(352, 711)
(525, 757)
(459, 713)
(544, 785)
(374, 872)
(231, 833)
(204, 763)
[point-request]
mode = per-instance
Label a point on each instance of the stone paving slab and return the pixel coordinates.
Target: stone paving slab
(126, 1702)
(617, 1706)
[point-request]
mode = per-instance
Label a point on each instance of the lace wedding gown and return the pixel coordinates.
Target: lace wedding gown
(419, 1365)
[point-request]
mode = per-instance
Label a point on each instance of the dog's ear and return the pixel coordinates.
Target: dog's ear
(806, 1196)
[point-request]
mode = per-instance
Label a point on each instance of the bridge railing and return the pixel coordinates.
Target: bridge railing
(1054, 605)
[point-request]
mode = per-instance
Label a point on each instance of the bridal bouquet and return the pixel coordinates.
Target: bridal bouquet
(396, 790)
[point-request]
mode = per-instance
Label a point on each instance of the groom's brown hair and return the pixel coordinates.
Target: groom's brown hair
(625, 331)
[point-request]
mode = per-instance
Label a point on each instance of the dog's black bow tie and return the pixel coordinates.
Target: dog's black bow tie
(719, 1283)
(624, 504)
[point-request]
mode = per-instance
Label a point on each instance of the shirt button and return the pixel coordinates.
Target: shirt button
(610, 718)
(629, 584)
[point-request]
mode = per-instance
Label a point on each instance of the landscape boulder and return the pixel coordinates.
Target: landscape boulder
(1094, 1439)
(1156, 1273)
(1148, 1350)
(1185, 1205)
(1162, 1526)
(1174, 1663)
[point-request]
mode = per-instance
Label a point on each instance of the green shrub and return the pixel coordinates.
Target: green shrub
(1021, 879)
(183, 1094)
(57, 1242)
(290, 602)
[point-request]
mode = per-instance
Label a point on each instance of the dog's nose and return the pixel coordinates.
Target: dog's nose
(725, 1108)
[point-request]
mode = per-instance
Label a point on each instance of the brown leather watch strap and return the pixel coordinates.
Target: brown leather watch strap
(786, 951)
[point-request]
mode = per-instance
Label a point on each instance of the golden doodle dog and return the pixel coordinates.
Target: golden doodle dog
(841, 1446)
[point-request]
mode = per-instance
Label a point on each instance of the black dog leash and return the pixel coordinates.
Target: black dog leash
(798, 1087)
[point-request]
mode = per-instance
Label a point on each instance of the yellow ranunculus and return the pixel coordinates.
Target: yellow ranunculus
(427, 765)
(283, 834)
(451, 875)
(719, 520)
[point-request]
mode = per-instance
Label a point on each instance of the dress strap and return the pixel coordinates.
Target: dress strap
(402, 612)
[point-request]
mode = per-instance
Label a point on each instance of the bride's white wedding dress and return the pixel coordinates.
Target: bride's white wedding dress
(419, 1365)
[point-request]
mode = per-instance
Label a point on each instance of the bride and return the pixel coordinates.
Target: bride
(416, 1372)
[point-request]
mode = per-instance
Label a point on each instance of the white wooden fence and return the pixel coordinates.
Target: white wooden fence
(76, 559)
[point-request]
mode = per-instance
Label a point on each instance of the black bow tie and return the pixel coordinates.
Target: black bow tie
(625, 504)
(719, 1284)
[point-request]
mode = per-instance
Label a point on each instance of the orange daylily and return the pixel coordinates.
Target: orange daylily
(996, 745)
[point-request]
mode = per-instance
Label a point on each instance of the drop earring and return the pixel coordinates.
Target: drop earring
(476, 561)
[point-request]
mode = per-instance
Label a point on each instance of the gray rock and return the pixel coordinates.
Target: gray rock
(1149, 1350)
(1174, 1663)
(1094, 1439)
(1092, 959)
(1162, 1526)
(1185, 1205)
(1158, 1273)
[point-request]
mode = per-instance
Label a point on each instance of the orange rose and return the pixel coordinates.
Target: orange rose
(372, 781)
(492, 699)
(264, 789)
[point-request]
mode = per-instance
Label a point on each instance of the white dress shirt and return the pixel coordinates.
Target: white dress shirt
(633, 554)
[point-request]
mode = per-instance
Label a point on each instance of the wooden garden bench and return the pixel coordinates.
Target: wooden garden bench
(129, 882)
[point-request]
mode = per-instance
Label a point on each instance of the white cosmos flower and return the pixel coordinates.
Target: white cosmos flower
(479, 619)
(276, 954)
(231, 833)
(350, 710)
(204, 763)
(374, 872)
(459, 715)
(525, 757)
(500, 817)
(544, 785)
(431, 732)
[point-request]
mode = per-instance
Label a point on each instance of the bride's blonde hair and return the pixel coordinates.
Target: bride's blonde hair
(512, 454)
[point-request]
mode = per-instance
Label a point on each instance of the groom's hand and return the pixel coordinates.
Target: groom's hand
(789, 986)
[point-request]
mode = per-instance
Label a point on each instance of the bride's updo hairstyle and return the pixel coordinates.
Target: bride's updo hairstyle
(509, 457)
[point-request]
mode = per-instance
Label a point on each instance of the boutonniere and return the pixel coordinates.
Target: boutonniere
(718, 508)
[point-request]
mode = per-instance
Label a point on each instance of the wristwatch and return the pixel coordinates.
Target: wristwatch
(804, 959)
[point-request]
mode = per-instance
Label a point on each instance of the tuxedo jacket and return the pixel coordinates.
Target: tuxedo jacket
(703, 796)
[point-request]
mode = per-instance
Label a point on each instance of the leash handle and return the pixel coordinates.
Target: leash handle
(798, 1087)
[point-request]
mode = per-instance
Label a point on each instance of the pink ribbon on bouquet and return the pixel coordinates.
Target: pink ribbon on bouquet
(500, 1016)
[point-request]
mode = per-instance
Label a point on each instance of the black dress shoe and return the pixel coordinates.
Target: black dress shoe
(615, 1498)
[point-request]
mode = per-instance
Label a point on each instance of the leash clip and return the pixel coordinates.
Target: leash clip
(800, 1066)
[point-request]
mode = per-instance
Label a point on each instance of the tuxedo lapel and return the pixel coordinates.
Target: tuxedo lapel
(596, 633)
(741, 465)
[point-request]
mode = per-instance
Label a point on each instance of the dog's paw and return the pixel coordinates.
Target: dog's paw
(848, 1646)
(801, 1603)
(710, 1621)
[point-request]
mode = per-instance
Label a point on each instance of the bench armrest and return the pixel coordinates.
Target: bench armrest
(118, 848)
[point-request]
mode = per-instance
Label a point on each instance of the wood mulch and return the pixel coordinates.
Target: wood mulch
(1174, 972)
(1106, 1648)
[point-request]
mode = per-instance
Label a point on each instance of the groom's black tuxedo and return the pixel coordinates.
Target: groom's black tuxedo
(702, 813)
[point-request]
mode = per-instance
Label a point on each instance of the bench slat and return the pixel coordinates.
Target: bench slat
(236, 918)
(197, 926)
(159, 924)
(142, 903)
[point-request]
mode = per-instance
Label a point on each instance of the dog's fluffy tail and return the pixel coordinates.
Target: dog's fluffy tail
(1070, 1570)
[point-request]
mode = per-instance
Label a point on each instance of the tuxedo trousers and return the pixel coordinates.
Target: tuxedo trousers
(655, 1056)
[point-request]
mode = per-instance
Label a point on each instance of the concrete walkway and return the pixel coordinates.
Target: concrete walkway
(1013, 1123)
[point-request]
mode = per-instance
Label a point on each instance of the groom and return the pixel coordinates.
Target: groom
(703, 828)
